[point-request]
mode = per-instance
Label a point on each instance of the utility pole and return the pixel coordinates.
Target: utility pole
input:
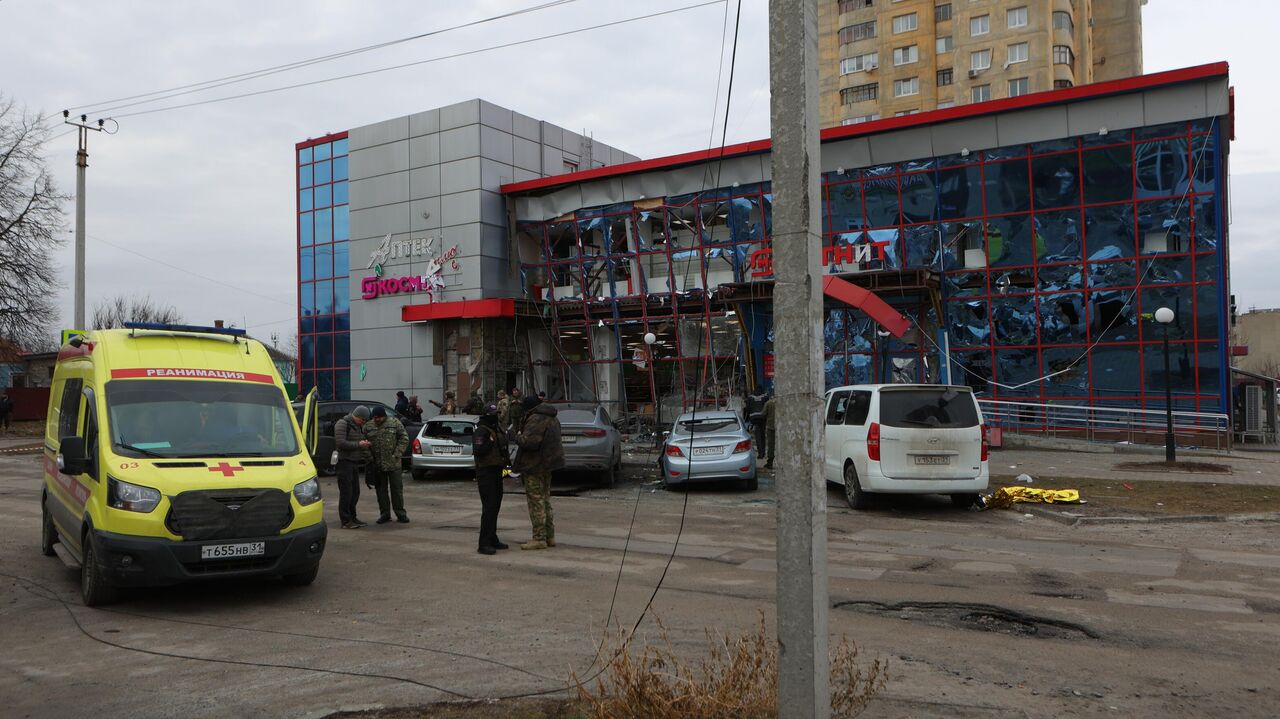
(82, 163)
(804, 664)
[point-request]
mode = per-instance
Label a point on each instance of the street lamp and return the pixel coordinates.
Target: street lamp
(1164, 316)
(649, 339)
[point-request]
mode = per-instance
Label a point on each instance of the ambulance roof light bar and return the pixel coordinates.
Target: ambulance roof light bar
(162, 327)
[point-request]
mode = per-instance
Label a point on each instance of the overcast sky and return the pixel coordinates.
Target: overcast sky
(209, 189)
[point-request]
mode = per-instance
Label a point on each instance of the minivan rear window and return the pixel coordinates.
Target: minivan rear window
(707, 426)
(934, 408)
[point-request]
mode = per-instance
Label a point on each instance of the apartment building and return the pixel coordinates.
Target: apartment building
(881, 58)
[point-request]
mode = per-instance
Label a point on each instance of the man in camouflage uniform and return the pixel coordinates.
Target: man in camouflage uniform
(475, 405)
(540, 454)
(515, 412)
(504, 406)
(387, 442)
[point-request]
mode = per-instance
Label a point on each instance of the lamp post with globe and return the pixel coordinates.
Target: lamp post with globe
(1164, 316)
(649, 339)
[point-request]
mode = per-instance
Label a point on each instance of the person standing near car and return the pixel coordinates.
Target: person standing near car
(515, 413)
(388, 441)
(770, 413)
(402, 403)
(489, 444)
(6, 411)
(348, 435)
(475, 405)
(540, 454)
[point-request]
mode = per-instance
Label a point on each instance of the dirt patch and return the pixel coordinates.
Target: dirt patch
(1157, 497)
(1193, 467)
(977, 617)
(500, 709)
(25, 428)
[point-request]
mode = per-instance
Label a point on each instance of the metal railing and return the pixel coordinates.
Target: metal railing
(1113, 424)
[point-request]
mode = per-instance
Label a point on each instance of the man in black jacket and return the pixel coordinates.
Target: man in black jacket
(348, 434)
(489, 444)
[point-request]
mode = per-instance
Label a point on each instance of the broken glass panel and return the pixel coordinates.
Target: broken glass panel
(966, 284)
(846, 207)
(1056, 180)
(1068, 368)
(885, 250)
(1057, 236)
(1062, 318)
(1177, 299)
(925, 163)
(1202, 158)
(919, 198)
(972, 369)
(562, 240)
(1018, 372)
(1009, 241)
(1108, 174)
(834, 370)
(1208, 311)
(1159, 230)
(1111, 138)
(905, 369)
(1166, 270)
(859, 368)
(1207, 268)
(1206, 222)
(880, 195)
(1152, 132)
(1052, 278)
(1112, 274)
(1005, 153)
(1116, 371)
(833, 331)
(1014, 319)
(1161, 167)
(969, 323)
(1060, 145)
(1007, 187)
(1112, 317)
(1109, 232)
(922, 246)
(960, 192)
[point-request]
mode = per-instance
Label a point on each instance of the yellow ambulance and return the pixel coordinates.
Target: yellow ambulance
(172, 455)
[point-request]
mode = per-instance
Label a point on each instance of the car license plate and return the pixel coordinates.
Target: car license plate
(446, 450)
(233, 551)
(568, 439)
(700, 451)
(932, 459)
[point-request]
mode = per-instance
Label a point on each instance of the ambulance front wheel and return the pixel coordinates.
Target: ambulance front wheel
(95, 589)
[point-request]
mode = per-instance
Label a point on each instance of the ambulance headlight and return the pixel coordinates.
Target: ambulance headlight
(131, 497)
(307, 492)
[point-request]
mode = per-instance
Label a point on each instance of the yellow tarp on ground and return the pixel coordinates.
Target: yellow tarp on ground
(1007, 496)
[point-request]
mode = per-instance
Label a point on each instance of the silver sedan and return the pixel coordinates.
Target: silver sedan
(444, 443)
(590, 441)
(709, 446)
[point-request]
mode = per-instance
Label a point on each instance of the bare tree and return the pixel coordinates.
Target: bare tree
(114, 312)
(31, 224)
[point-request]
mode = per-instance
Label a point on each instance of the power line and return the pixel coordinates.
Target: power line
(451, 56)
(158, 95)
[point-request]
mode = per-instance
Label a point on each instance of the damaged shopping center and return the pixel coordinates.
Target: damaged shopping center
(1021, 243)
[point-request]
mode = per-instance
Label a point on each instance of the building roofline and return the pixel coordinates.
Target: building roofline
(1022, 102)
(312, 142)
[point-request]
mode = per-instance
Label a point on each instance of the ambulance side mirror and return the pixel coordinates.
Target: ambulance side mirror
(71, 456)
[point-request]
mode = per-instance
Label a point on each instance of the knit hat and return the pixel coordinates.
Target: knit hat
(531, 401)
(379, 411)
(360, 412)
(490, 409)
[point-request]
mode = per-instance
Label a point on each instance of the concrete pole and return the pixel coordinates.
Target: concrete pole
(804, 673)
(82, 163)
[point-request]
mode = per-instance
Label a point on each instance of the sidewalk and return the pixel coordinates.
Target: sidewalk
(1262, 469)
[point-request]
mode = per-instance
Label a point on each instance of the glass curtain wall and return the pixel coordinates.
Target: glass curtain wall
(324, 307)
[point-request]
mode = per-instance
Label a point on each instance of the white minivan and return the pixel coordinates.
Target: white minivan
(906, 439)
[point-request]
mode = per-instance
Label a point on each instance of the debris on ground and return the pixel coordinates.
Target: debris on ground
(1006, 497)
(1023, 478)
(1195, 467)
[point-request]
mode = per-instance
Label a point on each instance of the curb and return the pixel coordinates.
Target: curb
(1073, 520)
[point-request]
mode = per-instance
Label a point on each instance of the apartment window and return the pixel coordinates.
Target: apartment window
(909, 86)
(904, 23)
(1019, 86)
(946, 44)
(980, 93)
(944, 104)
(906, 55)
(1062, 55)
(1017, 17)
(860, 119)
(851, 5)
(859, 63)
(1060, 84)
(942, 13)
(945, 77)
(980, 25)
(860, 93)
(979, 60)
(901, 113)
(861, 31)
(1062, 21)
(1018, 52)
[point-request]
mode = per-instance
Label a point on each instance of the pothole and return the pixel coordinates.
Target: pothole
(975, 617)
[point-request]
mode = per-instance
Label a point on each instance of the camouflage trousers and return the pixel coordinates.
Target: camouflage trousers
(537, 489)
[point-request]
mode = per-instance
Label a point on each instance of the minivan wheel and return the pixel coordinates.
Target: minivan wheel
(853, 493)
(964, 501)
(48, 532)
(95, 589)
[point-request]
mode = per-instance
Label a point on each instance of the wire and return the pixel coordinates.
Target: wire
(451, 56)
(158, 95)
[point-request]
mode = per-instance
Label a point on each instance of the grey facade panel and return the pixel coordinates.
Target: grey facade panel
(493, 241)
(378, 133)
(494, 174)
(1114, 113)
(379, 160)
(524, 126)
(602, 192)
(459, 143)
(424, 182)
(1217, 97)
(552, 135)
(380, 190)
(952, 138)
(460, 175)
(460, 114)
(378, 221)
(1174, 104)
(523, 175)
(424, 214)
(460, 208)
(552, 160)
(493, 209)
(527, 155)
(381, 343)
(1044, 123)
(900, 145)
(496, 117)
(425, 150)
(496, 145)
(422, 123)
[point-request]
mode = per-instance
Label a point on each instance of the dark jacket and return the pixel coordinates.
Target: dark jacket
(500, 457)
(402, 403)
(347, 436)
(539, 442)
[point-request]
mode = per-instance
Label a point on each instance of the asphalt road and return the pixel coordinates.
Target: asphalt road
(980, 614)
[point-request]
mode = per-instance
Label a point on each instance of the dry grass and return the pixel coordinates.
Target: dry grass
(738, 678)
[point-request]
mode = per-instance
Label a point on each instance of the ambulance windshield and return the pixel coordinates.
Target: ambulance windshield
(199, 418)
